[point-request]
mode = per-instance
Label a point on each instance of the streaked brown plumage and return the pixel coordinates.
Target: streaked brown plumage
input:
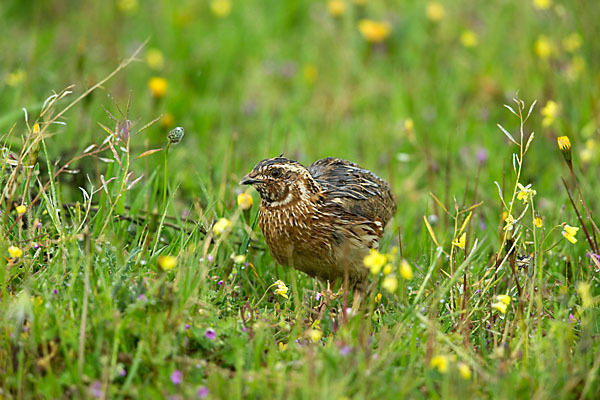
(323, 219)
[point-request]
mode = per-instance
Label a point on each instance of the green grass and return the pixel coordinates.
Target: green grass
(87, 310)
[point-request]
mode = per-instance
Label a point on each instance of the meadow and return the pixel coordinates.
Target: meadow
(131, 262)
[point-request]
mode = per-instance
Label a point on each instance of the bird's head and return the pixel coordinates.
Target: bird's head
(281, 181)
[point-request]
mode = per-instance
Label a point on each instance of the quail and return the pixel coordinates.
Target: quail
(324, 219)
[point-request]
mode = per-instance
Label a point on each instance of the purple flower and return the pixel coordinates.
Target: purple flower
(210, 334)
(210, 258)
(123, 372)
(482, 224)
(142, 297)
(345, 350)
(571, 318)
(187, 326)
(318, 296)
(54, 291)
(36, 246)
(482, 156)
(220, 283)
(244, 329)
(202, 392)
(123, 129)
(176, 377)
(96, 389)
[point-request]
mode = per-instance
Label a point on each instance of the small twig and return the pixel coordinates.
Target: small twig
(585, 231)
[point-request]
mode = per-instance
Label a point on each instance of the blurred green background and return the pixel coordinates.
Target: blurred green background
(266, 77)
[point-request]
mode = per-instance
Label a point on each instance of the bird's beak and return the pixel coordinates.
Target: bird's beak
(248, 180)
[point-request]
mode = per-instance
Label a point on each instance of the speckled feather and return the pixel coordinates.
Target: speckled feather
(324, 219)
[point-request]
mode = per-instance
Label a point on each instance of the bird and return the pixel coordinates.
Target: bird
(322, 220)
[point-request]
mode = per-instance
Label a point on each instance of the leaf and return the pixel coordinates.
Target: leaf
(107, 130)
(89, 148)
(148, 152)
(516, 162)
(530, 109)
(511, 109)
(430, 229)
(500, 194)
(508, 135)
(439, 203)
(134, 182)
(529, 141)
(462, 228)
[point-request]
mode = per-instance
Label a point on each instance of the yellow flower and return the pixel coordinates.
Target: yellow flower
(440, 362)
(283, 346)
(510, 222)
(281, 289)
(378, 298)
(544, 47)
(15, 252)
(157, 86)
(525, 193)
(239, 259)
(375, 261)
(588, 153)
(374, 31)
(221, 226)
(244, 201)
(406, 271)
(21, 209)
(538, 222)
(461, 242)
(504, 298)
(564, 144)
(15, 78)
(572, 42)
(336, 7)
(310, 74)
(167, 120)
(167, 262)
(468, 38)
(409, 125)
(575, 68)
(220, 8)
(569, 233)
(155, 59)
(315, 335)
(434, 11)
(387, 269)
(500, 306)
(542, 4)
(128, 6)
(36, 128)
(464, 370)
(550, 111)
(390, 283)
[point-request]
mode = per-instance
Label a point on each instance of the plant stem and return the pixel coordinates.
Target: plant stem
(164, 201)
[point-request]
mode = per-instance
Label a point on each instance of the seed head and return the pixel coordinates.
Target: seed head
(175, 135)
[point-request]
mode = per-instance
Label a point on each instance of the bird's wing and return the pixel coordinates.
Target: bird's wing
(357, 190)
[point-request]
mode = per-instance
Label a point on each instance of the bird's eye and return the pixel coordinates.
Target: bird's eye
(276, 173)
